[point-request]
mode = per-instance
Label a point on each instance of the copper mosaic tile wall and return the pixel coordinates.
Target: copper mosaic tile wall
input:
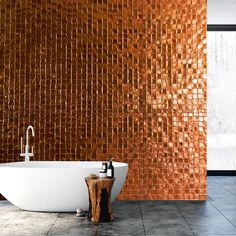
(119, 77)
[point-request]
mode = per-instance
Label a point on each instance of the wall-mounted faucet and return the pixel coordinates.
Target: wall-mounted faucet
(27, 154)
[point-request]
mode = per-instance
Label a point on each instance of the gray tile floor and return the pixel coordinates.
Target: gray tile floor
(217, 216)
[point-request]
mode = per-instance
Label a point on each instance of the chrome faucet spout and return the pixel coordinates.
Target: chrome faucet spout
(27, 154)
(30, 127)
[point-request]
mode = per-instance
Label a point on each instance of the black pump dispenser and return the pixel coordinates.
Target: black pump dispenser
(110, 170)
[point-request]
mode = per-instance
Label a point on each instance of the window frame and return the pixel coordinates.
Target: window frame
(211, 27)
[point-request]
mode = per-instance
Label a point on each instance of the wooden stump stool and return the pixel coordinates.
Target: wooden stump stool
(99, 191)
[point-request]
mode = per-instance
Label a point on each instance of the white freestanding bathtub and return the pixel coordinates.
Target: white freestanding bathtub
(53, 186)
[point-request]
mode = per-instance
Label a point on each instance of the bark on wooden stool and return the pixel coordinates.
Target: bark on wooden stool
(99, 191)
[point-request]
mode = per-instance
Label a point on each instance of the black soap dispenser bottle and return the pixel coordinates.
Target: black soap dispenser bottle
(110, 170)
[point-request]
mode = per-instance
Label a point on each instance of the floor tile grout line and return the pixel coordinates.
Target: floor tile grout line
(97, 230)
(209, 198)
(53, 224)
(184, 218)
(144, 230)
(223, 214)
(224, 188)
(10, 221)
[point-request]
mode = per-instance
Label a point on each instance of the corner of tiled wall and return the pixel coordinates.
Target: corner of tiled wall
(126, 78)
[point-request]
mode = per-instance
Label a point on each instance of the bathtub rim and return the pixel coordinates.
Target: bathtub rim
(59, 165)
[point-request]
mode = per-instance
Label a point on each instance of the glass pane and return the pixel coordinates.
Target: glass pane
(221, 104)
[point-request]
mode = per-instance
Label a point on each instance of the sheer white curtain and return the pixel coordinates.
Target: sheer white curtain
(221, 61)
(221, 100)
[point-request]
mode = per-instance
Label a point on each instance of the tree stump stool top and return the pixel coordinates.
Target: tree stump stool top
(99, 191)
